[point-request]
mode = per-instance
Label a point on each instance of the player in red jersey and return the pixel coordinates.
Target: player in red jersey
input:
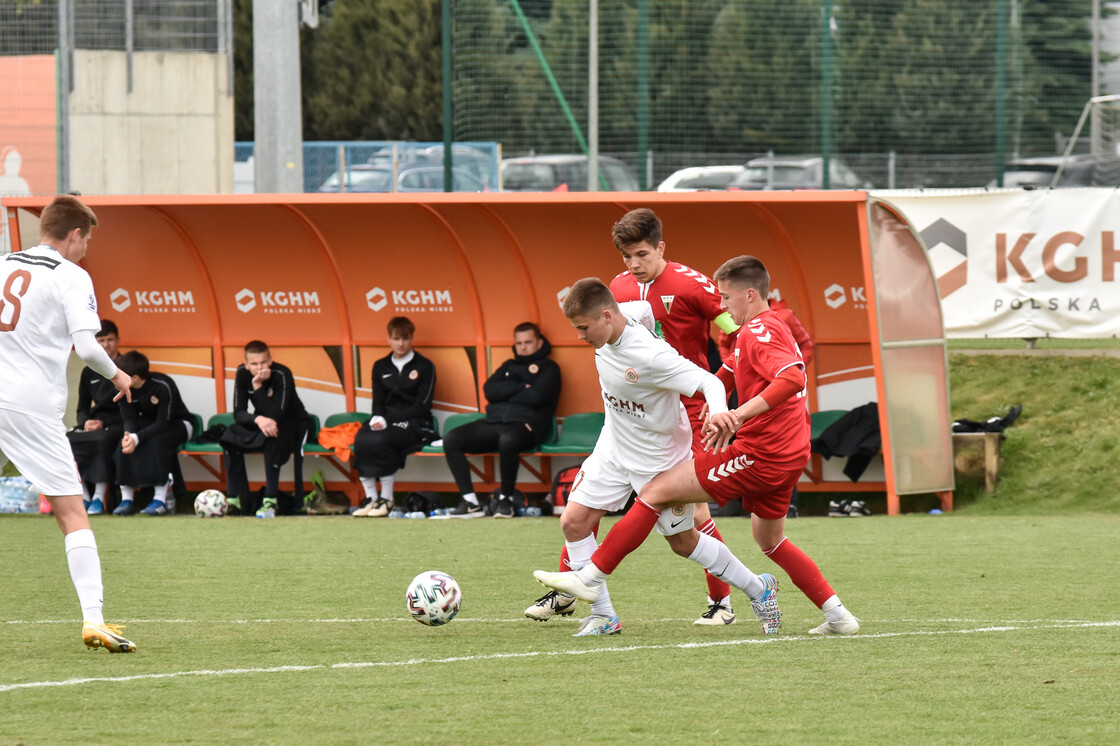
(760, 467)
(685, 304)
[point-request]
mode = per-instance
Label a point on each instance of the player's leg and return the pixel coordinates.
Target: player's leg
(677, 486)
(768, 521)
(715, 557)
(42, 454)
(719, 593)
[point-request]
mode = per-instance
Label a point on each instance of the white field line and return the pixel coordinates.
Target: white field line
(477, 620)
(529, 654)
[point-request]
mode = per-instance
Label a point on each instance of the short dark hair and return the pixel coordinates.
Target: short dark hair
(107, 328)
(63, 215)
(528, 326)
(636, 226)
(256, 347)
(134, 363)
(745, 270)
(401, 326)
(587, 297)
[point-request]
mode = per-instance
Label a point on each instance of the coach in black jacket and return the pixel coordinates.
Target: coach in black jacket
(156, 424)
(522, 396)
(98, 433)
(403, 384)
(276, 425)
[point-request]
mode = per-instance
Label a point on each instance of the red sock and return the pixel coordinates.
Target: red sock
(625, 536)
(717, 589)
(802, 570)
(565, 565)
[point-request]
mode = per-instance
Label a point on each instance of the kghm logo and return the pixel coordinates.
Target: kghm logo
(152, 301)
(278, 301)
(410, 301)
(625, 406)
(835, 295)
(947, 246)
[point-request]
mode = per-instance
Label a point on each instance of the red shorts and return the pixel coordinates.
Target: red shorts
(732, 475)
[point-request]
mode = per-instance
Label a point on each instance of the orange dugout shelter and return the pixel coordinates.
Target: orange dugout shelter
(193, 278)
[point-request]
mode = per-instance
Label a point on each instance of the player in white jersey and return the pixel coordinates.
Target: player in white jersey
(645, 432)
(47, 306)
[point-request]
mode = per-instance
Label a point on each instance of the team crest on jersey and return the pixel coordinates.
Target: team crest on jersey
(534, 368)
(667, 301)
(155, 401)
(413, 375)
(678, 511)
(631, 375)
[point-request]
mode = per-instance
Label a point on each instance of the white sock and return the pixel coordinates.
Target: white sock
(100, 489)
(85, 493)
(387, 488)
(161, 493)
(127, 493)
(579, 554)
(833, 610)
(369, 484)
(471, 498)
(85, 572)
(592, 575)
(717, 559)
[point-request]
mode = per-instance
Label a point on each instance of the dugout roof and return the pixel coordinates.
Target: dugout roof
(211, 272)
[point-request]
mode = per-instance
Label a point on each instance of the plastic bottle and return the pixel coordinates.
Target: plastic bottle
(531, 511)
(416, 514)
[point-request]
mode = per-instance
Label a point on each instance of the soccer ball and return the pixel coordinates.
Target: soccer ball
(210, 504)
(433, 598)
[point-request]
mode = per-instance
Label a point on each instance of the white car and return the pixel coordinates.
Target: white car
(695, 178)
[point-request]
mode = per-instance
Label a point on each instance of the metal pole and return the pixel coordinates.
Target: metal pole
(826, 97)
(277, 122)
(593, 97)
(128, 39)
(643, 89)
(1095, 122)
(448, 112)
(1001, 87)
(65, 86)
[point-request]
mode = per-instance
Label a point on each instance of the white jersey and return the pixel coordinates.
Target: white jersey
(44, 299)
(643, 377)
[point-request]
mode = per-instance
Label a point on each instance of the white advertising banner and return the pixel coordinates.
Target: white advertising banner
(1021, 264)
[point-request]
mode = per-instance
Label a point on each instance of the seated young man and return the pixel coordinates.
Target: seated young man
(522, 396)
(98, 433)
(403, 384)
(277, 424)
(156, 424)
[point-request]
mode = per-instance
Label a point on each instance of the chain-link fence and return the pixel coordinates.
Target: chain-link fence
(907, 92)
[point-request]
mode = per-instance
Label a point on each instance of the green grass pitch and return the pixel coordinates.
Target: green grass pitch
(294, 631)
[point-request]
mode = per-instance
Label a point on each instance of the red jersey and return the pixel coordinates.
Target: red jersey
(684, 302)
(764, 349)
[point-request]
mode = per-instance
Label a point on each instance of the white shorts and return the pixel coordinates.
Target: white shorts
(40, 450)
(604, 485)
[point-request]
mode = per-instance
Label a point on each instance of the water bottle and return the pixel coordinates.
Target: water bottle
(396, 513)
(416, 514)
(441, 511)
(533, 511)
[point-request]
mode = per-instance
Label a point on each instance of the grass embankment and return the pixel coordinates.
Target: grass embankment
(1061, 455)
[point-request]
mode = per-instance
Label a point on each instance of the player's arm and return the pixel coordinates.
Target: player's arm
(787, 384)
(94, 355)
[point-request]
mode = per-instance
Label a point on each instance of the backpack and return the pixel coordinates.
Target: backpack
(424, 501)
(561, 487)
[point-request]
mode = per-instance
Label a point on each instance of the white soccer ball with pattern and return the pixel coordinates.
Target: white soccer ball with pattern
(433, 598)
(210, 504)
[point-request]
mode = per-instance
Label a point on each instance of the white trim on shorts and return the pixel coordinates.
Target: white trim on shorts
(604, 485)
(39, 449)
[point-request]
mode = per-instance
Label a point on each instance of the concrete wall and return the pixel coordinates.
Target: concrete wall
(172, 134)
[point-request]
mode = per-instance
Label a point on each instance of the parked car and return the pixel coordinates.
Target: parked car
(1079, 171)
(695, 178)
(796, 172)
(377, 177)
(546, 173)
